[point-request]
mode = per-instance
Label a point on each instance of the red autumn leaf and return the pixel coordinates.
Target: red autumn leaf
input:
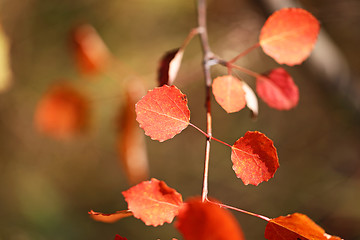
(206, 221)
(289, 35)
(153, 202)
(296, 226)
(109, 218)
(163, 112)
(229, 93)
(278, 89)
(254, 158)
(63, 112)
(169, 66)
(91, 54)
(118, 237)
(131, 140)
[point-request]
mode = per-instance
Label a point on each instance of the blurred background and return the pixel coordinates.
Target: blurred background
(49, 180)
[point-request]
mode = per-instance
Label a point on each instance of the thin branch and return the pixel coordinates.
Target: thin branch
(208, 136)
(241, 210)
(244, 52)
(208, 55)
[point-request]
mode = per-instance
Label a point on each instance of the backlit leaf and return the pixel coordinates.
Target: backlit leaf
(153, 202)
(296, 226)
(289, 35)
(63, 112)
(251, 100)
(109, 218)
(131, 140)
(278, 89)
(229, 93)
(169, 66)
(207, 221)
(91, 54)
(163, 112)
(254, 158)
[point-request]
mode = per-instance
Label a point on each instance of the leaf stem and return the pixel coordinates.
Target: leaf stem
(256, 45)
(241, 210)
(207, 56)
(208, 136)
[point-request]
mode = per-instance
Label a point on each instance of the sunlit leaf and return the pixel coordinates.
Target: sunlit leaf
(296, 226)
(254, 158)
(169, 66)
(62, 112)
(229, 93)
(131, 139)
(251, 100)
(278, 89)
(109, 218)
(206, 221)
(91, 54)
(163, 112)
(153, 202)
(289, 35)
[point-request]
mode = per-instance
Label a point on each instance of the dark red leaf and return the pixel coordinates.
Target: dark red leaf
(118, 237)
(169, 66)
(153, 202)
(109, 218)
(63, 112)
(278, 89)
(289, 35)
(206, 221)
(229, 93)
(296, 226)
(254, 158)
(163, 113)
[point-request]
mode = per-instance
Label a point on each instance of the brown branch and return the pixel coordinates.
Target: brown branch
(207, 56)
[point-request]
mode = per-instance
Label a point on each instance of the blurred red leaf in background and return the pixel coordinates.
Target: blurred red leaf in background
(62, 112)
(91, 54)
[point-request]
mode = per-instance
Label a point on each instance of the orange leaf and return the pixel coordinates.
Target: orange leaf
(296, 226)
(163, 113)
(206, 221)
(278, 89)
(229, 93)
(62, 112)
(289, 35)
(169, 66)
(254, 158)
(91, 54)
(153, 202)
(131, 140)
(109, 218)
